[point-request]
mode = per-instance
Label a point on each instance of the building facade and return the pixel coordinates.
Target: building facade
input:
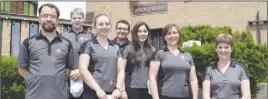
(241, 16)
(19, 7)
(19, 21)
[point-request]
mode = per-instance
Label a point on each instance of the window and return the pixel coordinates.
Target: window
(15, 37)
(7, 6)
(34, 28)
(13, 7)
(26, 8)
(157, 39)
(31, 9)
(2, 6)
(20, 7)
(17, 7)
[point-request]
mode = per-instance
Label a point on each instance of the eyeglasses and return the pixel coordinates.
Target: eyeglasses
(48, 15)
(120, 28)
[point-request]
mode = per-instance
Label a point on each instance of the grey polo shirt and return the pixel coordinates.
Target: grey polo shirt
(174, 71)
(226, 85)
(103, 63)
(121, 46)
(46, 63)
(137, 71)
(77, 39)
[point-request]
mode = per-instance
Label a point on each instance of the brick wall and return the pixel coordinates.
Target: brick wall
(25, 31)
(116, 11)
(234, 14)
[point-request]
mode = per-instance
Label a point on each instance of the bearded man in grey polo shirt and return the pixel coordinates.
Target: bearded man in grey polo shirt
(46, 59)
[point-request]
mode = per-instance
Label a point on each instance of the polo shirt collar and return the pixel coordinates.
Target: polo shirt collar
(166, 49)
(95, 41)
(83, 31)
(114, 41)
(232, 64)
(41, 36)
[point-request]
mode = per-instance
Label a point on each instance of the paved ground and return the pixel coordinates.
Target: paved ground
(263, 91)
(262, 94)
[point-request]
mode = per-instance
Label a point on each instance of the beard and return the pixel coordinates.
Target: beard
(48, 27)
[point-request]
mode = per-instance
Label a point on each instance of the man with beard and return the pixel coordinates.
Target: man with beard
(122, 31)
(77, 35)
(46, 59)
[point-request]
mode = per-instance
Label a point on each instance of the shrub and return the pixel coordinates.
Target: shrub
(12, 84)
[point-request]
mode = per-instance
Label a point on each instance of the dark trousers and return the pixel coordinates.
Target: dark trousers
(165, 97)
(91, 94)
(71, 97)
(138, 93)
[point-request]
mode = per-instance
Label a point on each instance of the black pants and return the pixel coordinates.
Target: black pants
(165, 97)
(138, 93)
(91, 94)
(71, 97)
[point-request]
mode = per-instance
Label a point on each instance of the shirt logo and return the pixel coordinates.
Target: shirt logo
(182, 57)
(111, 82)
(58, 50)
(83, 39)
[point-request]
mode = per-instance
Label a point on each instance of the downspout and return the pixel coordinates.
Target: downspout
(258, 28)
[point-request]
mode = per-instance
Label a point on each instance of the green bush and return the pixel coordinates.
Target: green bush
(245, 51)
(12, 85)
(14, 92)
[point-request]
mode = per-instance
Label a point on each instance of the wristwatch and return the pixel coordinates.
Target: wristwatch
(119, 89)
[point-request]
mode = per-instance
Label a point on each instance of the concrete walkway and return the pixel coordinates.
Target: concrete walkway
(262, 94)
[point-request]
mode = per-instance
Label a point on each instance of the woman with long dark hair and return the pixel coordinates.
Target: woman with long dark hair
(134, 62)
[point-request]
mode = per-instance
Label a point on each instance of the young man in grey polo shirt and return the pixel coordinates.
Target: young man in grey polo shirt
(45, 59)
(77, 35)
(122, 31)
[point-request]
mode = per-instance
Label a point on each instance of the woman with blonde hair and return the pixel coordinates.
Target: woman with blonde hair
(98, 62)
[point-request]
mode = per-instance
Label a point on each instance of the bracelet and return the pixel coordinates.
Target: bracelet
(121, 90)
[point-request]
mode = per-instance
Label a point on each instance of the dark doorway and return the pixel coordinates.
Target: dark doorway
(157, 39)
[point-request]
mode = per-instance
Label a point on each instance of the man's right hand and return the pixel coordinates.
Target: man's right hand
(23, 73)
(75, 74)
(101, 94)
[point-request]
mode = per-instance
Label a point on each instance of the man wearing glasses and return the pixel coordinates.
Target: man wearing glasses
(122, 29)
(46, 59)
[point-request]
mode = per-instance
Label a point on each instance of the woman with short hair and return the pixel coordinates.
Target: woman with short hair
(227, 79)
(172, 71)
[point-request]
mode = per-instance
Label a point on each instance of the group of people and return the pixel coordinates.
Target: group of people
(122, 68)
